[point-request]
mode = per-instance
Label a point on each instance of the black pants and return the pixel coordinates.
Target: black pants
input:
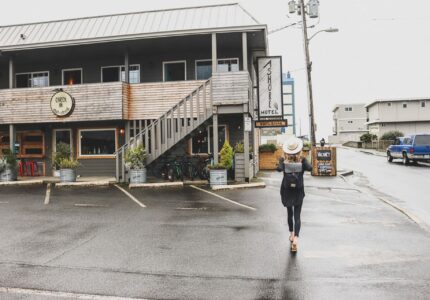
(294, 211)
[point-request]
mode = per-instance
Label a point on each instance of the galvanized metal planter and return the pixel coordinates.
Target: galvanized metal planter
(67, 175)
(218, 177)
(138, 176)
(9, 174)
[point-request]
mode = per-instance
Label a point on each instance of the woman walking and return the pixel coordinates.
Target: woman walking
(293, 165)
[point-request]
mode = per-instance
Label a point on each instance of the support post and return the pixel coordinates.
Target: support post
(12, 138)
(214, 54)
(215, 136)
(245, 51)
(127, 132)
(11, 73)
(246, 149)
(126, 67)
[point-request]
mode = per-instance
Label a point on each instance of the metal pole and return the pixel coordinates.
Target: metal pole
(308, 72)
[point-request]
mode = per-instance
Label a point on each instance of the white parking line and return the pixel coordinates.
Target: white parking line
(223, 198)
(48, 193)
(33, 292)
(130, 196)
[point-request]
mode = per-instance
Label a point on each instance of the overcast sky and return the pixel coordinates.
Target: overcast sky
(381, 51)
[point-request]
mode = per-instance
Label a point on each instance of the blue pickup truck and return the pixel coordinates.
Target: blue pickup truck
(413, 148)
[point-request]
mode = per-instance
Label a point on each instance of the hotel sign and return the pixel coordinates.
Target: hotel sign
(62, 104)
(271, 123)
(270, 105)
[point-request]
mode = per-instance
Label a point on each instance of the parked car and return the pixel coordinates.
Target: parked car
(413, 148)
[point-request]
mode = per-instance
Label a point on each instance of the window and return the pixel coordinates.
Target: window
(174, 70)
(405, 105)
(228, 65)
(35, 79)
(201, 142)
(422, 140)
(62, 136)
(350, 122)
(97, 142)
(204, 67)
(72, 76)
(348, 108)
(423, 104)
(112, 74)
(389, 103)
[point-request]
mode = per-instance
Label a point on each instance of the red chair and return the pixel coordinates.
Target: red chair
(21, 168)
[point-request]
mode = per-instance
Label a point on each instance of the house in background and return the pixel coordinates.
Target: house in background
(166, 77)
(349, 123)
(408, 115)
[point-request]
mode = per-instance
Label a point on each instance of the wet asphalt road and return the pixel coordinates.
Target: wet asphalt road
(191, 245)
(406, 186)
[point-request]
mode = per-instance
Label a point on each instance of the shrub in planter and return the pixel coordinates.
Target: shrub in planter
(368, 137)
(62, 152)
(8, 166)
(268, 148)
(391, 135)
(135, 159)
(218, 173)
(68, 168)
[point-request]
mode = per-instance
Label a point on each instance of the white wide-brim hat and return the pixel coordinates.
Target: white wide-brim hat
(292, 146)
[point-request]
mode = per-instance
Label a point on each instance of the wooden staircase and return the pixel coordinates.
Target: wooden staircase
(172, 127)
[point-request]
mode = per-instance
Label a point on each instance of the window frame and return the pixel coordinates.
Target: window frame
(95, 156)
(72, 69)
(54, 138)
(119, 72)
(32, 73)
(174, 62)
(209, 59)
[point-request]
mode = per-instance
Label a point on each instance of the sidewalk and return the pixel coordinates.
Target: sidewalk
(367, 151)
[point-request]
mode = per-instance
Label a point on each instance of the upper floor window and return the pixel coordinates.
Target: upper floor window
(423, 104)
(33, 79)
(405, 105)
(348, 108)
(204, 67)
(174, 70)
(350, 122)
(117, 73)
(72, 76)
(389, 103)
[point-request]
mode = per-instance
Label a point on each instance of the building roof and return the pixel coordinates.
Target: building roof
(397, 100)
(156, 23)
(337, 106)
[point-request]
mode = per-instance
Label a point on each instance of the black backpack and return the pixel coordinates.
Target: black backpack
(292, 178)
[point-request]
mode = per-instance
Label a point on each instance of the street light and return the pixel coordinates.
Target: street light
(313, 12)
(329, 30)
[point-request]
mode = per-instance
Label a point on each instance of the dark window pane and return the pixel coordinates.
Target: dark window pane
(110, 74)
(204, 70)
(100, 142)
(221, 137)
(422, 140)
(72, 77)
(174, 71)
(23, 80)
(33, 138)
(62, 136)
(33, 151)
(200, 142)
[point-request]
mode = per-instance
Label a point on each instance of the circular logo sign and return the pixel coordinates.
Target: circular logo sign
(62, 104)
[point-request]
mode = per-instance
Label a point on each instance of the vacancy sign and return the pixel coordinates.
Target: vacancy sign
(270, 88)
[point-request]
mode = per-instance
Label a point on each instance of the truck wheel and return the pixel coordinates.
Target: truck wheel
(389, 157)
(405, 159)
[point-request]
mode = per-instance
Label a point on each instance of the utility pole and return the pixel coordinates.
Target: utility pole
(308, 73)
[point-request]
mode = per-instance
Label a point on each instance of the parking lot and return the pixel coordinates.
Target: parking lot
(94, 243)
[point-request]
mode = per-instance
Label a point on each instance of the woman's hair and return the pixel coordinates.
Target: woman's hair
(292, 158)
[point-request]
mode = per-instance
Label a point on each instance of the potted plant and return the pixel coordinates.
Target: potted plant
(68, 168)
(218, 173)
(135, 159)
(8, 166)
(62, 152)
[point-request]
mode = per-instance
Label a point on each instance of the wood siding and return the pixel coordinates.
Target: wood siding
(231, 88)
(151, 100)
(102, 101)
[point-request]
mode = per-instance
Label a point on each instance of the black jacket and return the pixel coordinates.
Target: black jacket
(292, 197)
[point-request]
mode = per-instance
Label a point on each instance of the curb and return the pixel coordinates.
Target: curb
(83, 183)
(239, 186)
(20, 183)
(156, 185)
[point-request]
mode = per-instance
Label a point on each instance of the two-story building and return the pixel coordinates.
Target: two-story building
(349, 123)
(408, 115)
(165, 78)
